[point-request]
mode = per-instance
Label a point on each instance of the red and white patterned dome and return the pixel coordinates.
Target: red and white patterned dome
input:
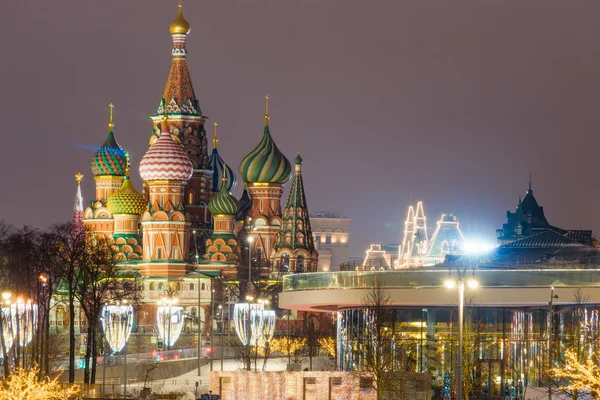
(166, 160)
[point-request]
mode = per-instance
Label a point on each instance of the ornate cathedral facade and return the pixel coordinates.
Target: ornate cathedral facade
(184, 223)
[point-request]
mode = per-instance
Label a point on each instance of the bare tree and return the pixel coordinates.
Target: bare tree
(101, 281)
(377, 367)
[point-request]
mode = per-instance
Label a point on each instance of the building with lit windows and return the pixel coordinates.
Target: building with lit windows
(331, 233)
(526, 303)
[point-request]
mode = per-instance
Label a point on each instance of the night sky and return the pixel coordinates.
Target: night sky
(451, 102)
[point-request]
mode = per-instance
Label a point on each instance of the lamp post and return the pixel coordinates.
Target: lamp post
(212, 323)
(550, 328)
(221, 335)
(250, 240)
(450, 284)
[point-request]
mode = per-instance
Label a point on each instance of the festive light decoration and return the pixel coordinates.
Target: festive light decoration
(23, 317)
(26, 384)
(170, 321)
(117, 321)
(253, 324)
(6, 330)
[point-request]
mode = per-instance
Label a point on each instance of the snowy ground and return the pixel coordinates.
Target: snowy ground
(187, 383)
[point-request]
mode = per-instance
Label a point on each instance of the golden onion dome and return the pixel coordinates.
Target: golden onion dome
(126, 200)
(179, 25)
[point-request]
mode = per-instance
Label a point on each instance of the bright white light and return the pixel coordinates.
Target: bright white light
(117, 322)
(24, 321)
(472, 283)
(450, 283)
(477, 247)
(253, 324)
(170, 323)
(250, 239)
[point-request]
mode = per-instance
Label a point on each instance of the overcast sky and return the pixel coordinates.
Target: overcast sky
(451, 102)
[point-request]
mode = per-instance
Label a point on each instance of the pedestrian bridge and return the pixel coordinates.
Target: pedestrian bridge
(332, 291)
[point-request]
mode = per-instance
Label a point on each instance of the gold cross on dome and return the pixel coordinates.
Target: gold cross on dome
(215, 140)
(78, 177)
(111, 106)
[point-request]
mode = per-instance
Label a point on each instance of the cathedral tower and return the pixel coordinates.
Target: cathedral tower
(294, 249)
(265, 170)
(219, 168)
(165, 169)
(222, 248)
(126, 206)
(186, 125)
(109, 165)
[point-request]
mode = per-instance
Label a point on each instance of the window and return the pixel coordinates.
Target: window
(162, 201)
(152, 285)
(178, 286)
(191, 197)
(261, 205)
(203, 286)
(300, 264)
(318, 238)
(285, 264)
(159, 254)
(191, 286)
(161, 286)
(328, 239)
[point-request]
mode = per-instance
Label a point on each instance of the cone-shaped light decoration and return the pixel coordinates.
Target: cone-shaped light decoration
(6, 331)
(170, 323)
(117, 321)
(24, 321)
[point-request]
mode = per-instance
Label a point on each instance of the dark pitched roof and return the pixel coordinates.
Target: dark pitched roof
(545, 239)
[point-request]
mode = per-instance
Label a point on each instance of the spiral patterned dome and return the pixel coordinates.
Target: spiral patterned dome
(216, 164)
(223, 203)
(266, 163)
(166, 160)
(110, 159)
(126, 200)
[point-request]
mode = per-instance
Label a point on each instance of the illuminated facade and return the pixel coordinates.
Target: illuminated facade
(331, 232)
(184, 218)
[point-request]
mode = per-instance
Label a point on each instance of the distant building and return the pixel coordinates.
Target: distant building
(330, 232)
(529, 220)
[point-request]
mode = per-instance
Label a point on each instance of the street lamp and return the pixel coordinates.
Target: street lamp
(450, 284)
(250, 240)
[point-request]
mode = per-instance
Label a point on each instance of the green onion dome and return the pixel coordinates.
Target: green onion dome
(266, 163)
(126, 200)
(223, 203)
(110, 158)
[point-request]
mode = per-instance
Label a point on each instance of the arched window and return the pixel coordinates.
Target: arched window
(178, 286)
(161, 286)
(152, 285)
(285, 263)
(203, 286)
(191, 286)
(194, 312)
(300, 264)
(191, 197)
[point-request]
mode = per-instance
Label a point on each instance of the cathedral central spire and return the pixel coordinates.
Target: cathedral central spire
(179, 92)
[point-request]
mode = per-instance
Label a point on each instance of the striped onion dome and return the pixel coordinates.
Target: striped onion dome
(216, 164)
(126, 200)
(266, 163)
(223, 203)
(166, 160)
(110, 158)
(245, 205)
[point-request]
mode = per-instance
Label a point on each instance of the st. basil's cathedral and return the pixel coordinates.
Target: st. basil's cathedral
(185, 222)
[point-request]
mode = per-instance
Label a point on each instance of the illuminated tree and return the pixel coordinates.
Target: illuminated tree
(576, 376)
(23, 384)
(328, 343)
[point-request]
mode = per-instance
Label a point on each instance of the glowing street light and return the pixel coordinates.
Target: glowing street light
(117, 322)
(450, 284)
